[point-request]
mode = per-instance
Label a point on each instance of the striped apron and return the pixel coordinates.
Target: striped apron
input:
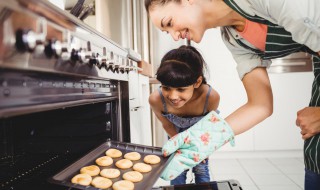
(279, 43)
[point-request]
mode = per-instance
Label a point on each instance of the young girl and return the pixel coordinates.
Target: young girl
(183, 98)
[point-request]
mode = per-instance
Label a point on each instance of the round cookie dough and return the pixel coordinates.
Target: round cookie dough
(151, 159)
(110, 173)
(92, 170)
(133, 176)
(142, 167)
(82, 179)
(132, 156)
(123, 185)
(101, 182)
(114, 153)
(124, 164)
(104, 161)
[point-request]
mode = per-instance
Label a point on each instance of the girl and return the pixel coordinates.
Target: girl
(256, 31)
(183, 98)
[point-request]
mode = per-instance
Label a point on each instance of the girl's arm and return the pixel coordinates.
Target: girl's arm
(156, 105)
(259, 105)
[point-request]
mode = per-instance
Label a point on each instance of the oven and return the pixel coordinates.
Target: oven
(64, 91)
(63, 99)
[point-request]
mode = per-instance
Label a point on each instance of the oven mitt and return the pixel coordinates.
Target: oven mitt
(195, 144)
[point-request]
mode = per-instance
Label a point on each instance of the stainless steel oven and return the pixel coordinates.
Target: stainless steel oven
(64, 91)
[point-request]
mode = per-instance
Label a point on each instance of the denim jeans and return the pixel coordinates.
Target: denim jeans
(311, 180)
(201, 173)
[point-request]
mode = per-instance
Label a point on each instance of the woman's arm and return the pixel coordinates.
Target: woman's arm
(259, 105)
(156, 105)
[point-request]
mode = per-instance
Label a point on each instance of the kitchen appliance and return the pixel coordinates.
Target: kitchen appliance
(64, 91)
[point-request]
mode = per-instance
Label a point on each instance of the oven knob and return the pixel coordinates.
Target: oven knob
(127, 68)
(74, 55)
(94, 59)
(65, 54)
(81, 56)
(110, 61)
(122, 66)
(117, 63)
(25, 40)
(53, 48)
(103, 58)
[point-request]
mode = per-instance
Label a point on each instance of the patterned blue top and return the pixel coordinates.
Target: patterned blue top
(183, 123)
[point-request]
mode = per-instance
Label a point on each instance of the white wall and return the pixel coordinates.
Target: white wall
(291, 92)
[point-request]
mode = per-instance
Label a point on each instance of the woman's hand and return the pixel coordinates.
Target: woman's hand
(308, 119)
(195, 144)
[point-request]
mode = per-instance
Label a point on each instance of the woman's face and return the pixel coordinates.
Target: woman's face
(182, 20)
(177, 97)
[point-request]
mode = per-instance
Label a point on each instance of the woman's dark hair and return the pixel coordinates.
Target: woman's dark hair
(181, 67)
(149, 3)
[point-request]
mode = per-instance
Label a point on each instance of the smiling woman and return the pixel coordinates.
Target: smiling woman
(287, 32)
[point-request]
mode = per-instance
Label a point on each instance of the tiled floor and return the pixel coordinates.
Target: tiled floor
(285, 172)
(261, 173)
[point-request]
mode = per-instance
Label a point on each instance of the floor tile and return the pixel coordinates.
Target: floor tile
(253, 161)
(226, 169)
(297, 179)
(285, 161)
(280, 187)
(262, 169)
(243, 179)
(291, 169)
(249, 187)
(271, 179)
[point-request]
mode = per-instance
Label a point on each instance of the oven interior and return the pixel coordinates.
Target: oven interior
(36, 146)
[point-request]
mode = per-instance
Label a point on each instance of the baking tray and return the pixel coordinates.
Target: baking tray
(64, 177)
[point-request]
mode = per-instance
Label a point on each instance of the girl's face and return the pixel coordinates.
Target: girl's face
(177, 97)
(182, 20)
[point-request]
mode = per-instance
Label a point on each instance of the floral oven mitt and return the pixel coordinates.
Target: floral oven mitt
(195, 144)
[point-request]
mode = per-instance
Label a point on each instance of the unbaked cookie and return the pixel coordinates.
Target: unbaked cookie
(132, 156)
(151, 159)
(123, 185)
(82, 179)
(142, 167)
(133, 176)
(114, 153)
(101, 182)
(110, 173)
(92, 170)
(124, 164)
(104, 161)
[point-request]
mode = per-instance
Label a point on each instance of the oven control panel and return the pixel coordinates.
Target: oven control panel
(39, 36)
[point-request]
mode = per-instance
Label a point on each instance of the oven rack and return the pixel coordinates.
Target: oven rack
(21, 169)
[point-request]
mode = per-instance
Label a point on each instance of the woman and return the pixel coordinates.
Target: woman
(283, 27)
